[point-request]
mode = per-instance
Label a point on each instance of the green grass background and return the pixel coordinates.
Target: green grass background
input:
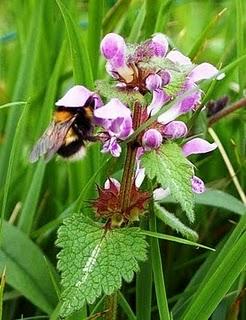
(47, 46)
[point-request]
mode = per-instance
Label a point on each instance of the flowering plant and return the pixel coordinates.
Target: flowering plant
(141, 110)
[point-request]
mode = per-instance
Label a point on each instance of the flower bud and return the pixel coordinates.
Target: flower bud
(165, 77)
(113, 48)
(152, 139)
(175, 130)
(197, 185)
(153, 82)
(159, 44)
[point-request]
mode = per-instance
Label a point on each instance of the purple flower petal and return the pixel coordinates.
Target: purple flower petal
(161, 193)
(113, 48)
(151, 139)
(165, 76)
(196, 146)
(197, 185)
(177, 57)
(158, 100)
(203, 71)
(153, 82)
(112, 146)
(190, 102)
(112, 110)
(185, 105)
(159, 44)
(175, 130)
(120, 127)
(114, 181)
(75, 97)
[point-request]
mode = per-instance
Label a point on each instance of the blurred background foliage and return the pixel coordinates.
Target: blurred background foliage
(42, 54)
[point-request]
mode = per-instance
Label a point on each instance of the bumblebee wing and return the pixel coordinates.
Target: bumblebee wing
(51, 140)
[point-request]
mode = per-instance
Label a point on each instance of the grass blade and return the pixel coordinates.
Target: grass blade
(175, 239)
(137, 26)
(114, 15)
(95, 14)
(210, 293)
(26, 268)
(159, 282)
(82, 71)
(13, 104)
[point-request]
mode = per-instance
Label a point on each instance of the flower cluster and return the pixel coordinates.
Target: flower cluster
(164, 77)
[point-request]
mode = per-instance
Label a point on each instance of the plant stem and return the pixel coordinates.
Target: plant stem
(111, 306)
(223, 113)
(128, 171)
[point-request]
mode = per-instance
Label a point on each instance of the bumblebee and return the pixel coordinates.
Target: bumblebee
(67, 133)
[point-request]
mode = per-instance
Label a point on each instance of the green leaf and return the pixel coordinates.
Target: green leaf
(218, 199)
(172, 221)
(175, 85)
(171, 169)
(110, 91)
(94, 261)
(26, 268)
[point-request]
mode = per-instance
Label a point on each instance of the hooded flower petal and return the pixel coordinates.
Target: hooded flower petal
(185, 105)
(112, 110)
(158, 100)
(75, 97)
(113, 48)
(177, 57)
(197, 185)
(159, 45)
(196, 146)
(112, 147)
(175, 130)
(203, 71)
(161, 193)
(113, 181)
(153, 82)
(151, 139)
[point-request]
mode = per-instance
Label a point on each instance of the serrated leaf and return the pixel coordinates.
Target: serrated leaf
(110, 91)
(172, 170)
(94, 261)
(175, 85)
(172, 221)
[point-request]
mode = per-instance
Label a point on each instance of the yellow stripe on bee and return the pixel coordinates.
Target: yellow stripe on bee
(60, 116)
(70, 137)
(88, 112)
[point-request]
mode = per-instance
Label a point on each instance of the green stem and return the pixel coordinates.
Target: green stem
(144, 284)
(160, 289)
(111, 307)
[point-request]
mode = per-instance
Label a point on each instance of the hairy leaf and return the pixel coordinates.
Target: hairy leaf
(172, 221)
(110, 91)
(94, 261)
(172, 170)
